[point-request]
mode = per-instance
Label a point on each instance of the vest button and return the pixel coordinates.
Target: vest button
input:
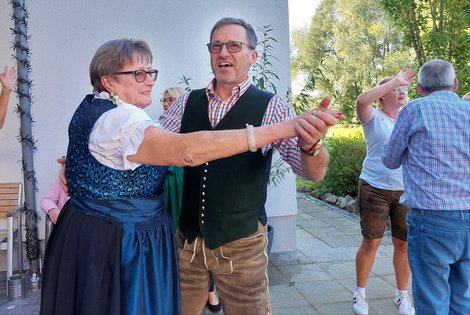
(203, 178)
(203, 193)
(203, 200)
(204, 186)
(203, 208)
(202, 214)
(202, 222)
(205, 171)
(207, 163)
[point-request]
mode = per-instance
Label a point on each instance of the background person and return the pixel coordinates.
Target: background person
(380, 190)
(115, 219)
(53, 201)
(8, 80)
(431, 141)
(170, 95)
(173, 185)
(173, 188)
(222, 225)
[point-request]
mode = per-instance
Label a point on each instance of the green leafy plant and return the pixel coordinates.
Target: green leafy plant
(346, 157)
(185, 81)
(264, 78)
(263, 69)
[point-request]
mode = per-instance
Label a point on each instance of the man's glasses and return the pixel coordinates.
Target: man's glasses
(232, 47)
(141, 75)
(167, 99)
(401, 89)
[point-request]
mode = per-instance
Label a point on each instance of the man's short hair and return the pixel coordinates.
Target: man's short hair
(250, 32)
(435, 75)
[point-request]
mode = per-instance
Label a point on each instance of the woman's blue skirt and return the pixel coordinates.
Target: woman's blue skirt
(111, 257)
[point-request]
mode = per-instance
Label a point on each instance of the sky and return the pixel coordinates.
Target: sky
(301, 12)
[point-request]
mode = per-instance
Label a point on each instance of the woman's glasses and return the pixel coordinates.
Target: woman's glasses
(141, 75)
(401, 89)
(167, 99)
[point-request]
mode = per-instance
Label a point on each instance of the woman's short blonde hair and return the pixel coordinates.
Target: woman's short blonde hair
(114, 55)
(383, 81)
(174, 91)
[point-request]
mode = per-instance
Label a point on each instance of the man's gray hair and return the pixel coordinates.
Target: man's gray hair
(435, 75)
(250, 32)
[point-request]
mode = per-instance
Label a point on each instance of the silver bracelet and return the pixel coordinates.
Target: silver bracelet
(250, 137)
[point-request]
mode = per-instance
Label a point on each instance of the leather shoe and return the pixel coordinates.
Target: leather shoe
(214, 308)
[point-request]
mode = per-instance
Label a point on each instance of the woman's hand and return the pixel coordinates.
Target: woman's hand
(323, 107)
(63, 180)
(405, 76)
(8, 78)
(53, 215)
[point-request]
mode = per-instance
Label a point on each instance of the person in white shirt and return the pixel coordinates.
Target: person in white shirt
(380, 189)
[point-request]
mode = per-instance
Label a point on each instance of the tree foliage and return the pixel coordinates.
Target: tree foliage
(436, 29)
(352, 43)
(345, 50)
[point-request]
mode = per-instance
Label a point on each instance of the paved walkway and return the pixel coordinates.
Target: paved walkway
(316, 279)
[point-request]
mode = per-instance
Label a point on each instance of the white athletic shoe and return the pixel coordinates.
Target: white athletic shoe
(359, 304)
(405, 304)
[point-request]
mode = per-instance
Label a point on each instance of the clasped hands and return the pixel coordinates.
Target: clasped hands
(312, 126)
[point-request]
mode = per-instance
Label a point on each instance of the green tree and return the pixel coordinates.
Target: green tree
(345, 49)
(436, 29)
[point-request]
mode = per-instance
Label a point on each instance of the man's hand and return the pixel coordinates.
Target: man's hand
(63, 181)
(53, 215)
(8, 78)
(314, 125)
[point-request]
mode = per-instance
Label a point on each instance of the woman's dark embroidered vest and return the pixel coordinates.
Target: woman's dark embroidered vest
(88, 178)
(223, 199)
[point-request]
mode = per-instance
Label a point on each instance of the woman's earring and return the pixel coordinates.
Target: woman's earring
(114, 98)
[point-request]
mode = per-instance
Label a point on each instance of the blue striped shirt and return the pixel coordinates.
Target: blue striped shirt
(277, 111)
(431, 139)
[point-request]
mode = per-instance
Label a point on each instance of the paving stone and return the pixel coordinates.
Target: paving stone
(339, 269)
(340, 241)
(325, 231)
(304, 273)
(304, 310)
(286, 296)
(338, 308)
(289, 258)
(275, 276)
(328, 291)
(324, 255)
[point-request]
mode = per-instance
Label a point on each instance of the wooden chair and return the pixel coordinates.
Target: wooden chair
(11, 199)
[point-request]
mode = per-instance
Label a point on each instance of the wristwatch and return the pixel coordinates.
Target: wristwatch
(314, 150)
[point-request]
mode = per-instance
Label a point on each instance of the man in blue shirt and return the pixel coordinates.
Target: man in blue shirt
(431, 140)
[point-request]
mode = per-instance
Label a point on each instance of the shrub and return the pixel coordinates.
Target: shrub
(346, 157)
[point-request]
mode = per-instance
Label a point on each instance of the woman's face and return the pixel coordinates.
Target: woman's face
(128, 89)
(167, 100)
(395, 98)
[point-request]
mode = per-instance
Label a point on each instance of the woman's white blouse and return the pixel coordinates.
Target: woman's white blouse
(119, 133)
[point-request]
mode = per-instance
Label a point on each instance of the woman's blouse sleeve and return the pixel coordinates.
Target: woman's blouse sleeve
(119, 133)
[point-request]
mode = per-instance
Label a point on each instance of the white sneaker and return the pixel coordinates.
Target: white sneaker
(405, 304)
(359, 304)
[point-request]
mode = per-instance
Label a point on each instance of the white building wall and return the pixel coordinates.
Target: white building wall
(64, 36)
